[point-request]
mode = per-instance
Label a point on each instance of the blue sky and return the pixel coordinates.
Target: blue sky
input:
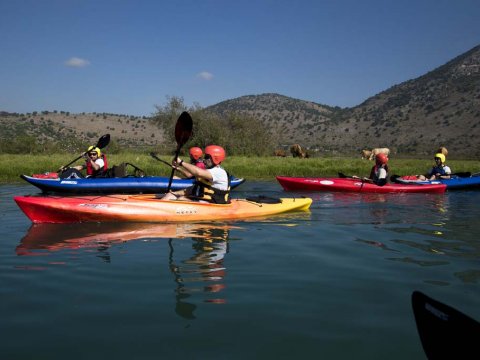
(126, 56)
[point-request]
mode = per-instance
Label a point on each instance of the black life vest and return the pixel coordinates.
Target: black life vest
(374, 177)
(203, 190)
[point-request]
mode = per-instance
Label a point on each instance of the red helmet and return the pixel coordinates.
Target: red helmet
(381, 158)
(216, 152)
(195, 152)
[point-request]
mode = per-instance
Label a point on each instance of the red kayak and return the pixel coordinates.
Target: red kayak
(354, 185)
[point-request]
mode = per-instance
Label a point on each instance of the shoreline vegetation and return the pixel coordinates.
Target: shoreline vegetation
(248, 167)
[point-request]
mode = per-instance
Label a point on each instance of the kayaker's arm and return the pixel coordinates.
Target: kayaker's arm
(193, 169)
(184, 171)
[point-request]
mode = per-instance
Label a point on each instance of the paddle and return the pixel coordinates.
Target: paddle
(183, 131)
(343, 176)
(394, 178)
(152, 154)
(445, 333)
(363, 180)
(463, 174)
(101, 143)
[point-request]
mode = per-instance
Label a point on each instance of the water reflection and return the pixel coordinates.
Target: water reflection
(201, 272)
(198, 269)
(381, 209)
(44, 238)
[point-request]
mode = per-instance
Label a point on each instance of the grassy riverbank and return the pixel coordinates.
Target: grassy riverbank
(253, 168)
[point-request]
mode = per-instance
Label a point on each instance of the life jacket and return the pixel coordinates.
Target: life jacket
(199, 163)
(438, 170)
(203, 190)
(91, 171)
(374, 174)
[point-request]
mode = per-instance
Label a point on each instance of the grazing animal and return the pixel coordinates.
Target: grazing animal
(280, 152)
(297, 151)
(370, 155)
(366, 154)
(442, 150)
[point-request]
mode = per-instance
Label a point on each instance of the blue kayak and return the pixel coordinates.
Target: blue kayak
(129, 184)
(454, 183)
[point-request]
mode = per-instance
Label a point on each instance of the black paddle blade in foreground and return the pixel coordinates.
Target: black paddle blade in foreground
(183, 129)
(445, 333)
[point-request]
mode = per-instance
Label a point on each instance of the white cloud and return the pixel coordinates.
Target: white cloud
(205, 75)
(77, 62)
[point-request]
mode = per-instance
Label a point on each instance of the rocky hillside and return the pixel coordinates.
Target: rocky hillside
(290, 118)
(441, 107)
(88, 127)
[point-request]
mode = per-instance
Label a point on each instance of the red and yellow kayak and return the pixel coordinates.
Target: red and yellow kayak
(353, 185)
(147, 208)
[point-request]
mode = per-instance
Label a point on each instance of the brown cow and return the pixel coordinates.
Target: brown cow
(280, 152)
(297, 151)
(370, 155)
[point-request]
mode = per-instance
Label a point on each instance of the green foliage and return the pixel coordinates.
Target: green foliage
(238, 134)
(248, 167)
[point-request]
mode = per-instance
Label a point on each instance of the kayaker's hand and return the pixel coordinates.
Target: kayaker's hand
(177, 163)
(61, 169)
(355, 177)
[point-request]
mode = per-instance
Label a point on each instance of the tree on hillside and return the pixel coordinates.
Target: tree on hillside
(238, 134)
(166, 116)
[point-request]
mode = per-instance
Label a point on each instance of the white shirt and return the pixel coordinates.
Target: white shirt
(381, 173)
(219, 178)
(100, 163)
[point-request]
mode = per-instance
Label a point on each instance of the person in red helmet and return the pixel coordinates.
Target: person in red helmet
(379, 172)
(195, 159)
(212, 184)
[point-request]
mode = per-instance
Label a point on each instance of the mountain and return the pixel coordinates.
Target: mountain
(441, 107)
(292, 119)
(415, 117)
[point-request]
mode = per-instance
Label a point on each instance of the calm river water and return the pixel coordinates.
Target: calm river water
(334, 283)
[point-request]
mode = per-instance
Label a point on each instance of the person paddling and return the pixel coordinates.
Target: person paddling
(95, 165)
(212, 184)
(379, 172)
(195, 159)
(439, 171)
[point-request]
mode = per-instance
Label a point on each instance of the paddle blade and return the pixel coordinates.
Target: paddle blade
(463, 174)
(445, 333)
(394, 178)
(183, 128)
(103, 141)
